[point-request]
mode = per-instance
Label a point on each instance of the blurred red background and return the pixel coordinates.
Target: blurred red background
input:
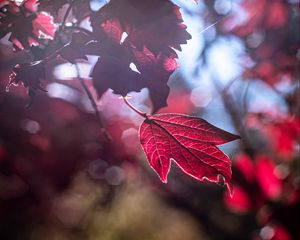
(60, 178)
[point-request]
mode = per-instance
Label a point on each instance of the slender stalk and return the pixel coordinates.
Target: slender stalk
(81, 29)
(143, 114)
(245, 103)
(234, 114)
(94, 105)
(67, 14)
(54, 54)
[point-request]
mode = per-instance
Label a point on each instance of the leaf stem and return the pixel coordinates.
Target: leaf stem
(235, 116)
(67, 14)
(54, 54)
(143, 114)
(81, 29)
(94, 104)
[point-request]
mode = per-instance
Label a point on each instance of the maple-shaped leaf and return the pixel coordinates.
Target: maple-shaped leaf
(153, 29)
(190, 142)
(156, 24)
(29, 74)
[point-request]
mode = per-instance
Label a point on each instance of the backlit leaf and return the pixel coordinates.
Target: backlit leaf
(190, 142)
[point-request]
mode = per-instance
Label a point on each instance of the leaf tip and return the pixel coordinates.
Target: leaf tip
(230, 189)
(163, 179)
(222, 181)
(234, 137)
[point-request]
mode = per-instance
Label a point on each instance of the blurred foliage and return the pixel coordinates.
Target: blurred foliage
(61, 179)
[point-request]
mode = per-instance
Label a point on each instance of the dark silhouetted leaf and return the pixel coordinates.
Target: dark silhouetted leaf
(29, 74)
(153, 28)
(25, 26)
(115, 74)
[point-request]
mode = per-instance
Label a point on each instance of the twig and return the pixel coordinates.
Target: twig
(245, 103)
(54, 54)
(94, 104)
(229, 84)
(143, 114)
(235, 117)
(81, 29)
(67, 14)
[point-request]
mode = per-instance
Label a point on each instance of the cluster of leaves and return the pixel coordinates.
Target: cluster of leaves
(147, 46)
(142, 33)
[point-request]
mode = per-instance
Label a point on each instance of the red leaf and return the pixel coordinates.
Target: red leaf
(239, 202)
(270, 184)
(43, 26)
(190, 142)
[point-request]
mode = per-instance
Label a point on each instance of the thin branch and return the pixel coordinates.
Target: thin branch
(245, 98)
(54, 54)
(81, 29)
(229, 84)
(67, 14)
(94, 104)
(230, 106)
(143, 114)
